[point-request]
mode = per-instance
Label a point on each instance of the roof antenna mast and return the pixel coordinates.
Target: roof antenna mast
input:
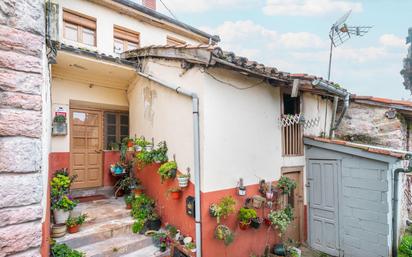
(340, 32)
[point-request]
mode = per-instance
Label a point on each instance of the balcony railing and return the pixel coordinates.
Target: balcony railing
(292, 134)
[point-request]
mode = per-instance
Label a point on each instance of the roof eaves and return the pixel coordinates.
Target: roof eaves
(163, 17)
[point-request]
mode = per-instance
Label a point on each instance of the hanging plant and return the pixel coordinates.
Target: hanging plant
(286, 184)
(223, 233)
(281, 219)
(167, 170)
(225, 207)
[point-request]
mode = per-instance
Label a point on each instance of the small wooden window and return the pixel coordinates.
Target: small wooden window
(292, 133)
(79, 28)
(125, 39)
(116, 127)
(174, 41)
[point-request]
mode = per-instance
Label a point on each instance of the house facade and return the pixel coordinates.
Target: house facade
(250, 126)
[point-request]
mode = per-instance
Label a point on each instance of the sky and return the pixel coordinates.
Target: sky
(292, 35)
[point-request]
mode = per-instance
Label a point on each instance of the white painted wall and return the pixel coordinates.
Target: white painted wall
(315, 107)
(105, 20)
(65, 90)
(240, 134)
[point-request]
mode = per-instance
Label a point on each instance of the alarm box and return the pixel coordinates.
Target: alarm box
(190, 206)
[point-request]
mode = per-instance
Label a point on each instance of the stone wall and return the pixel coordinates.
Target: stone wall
(368, 124)
(22, 69)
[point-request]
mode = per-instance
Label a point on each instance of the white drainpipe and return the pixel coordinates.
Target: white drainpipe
(196, 146)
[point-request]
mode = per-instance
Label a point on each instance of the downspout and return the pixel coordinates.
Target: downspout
(196, 146)
(346, 101)
(395, 209)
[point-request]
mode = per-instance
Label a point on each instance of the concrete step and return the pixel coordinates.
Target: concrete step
(107, 191)
(102, 210)
(149, 251)
(117, 246)
(98, 232)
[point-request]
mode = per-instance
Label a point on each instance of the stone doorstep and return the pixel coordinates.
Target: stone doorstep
(117, 246)
(102, 210)
(98, 232)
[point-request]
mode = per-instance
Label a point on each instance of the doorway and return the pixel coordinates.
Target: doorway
(295, 200)
(86, 148)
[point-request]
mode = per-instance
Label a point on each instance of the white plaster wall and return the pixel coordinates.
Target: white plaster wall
(105, 20)
(314, 107)
(65, 90)
(160, 113)
(240, 134)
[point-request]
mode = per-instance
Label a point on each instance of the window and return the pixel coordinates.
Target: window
(116, 127)
(292, 130)
(174, 41)
(79, 28)
(125, 40)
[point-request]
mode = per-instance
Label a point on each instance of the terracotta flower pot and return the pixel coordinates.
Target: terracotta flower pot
(128, 206)
(73, 229)
(138, 191)
(244, 226)
(175, 195)
(130, 144)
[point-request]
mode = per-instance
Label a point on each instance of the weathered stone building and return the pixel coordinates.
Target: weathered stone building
(23, 130)
(377, 121)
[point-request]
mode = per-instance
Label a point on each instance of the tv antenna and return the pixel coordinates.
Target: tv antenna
(340, 32)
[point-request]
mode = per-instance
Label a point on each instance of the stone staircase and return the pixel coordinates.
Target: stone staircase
(107, 232)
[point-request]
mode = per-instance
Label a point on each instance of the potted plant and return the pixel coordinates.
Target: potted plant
(128, 199)
(60, 250)
(167, 170)
(255, 222)
(117, 169)
(62, 208)
(224, 208)
(74, 223)
(138, 190)
(191, 247)
(258, 201)
(144, 158)
(245, 216)
(161, 240)
(114, 146)
(140, 143)
(183, 179)
(175, 192)
(286, 185)
(280, 220)
(160, 153)
(58, 230)
(153, 221)
(223, 233)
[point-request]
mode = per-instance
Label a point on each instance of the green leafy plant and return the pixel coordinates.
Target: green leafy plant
(128, 199)
(128, 184)
(64, 203)
(224, 208)
(140, 141)
(246, 214)
(286, 184)
(79, 220)
(144, 158)
(159, 154)
(62, 250)
(138, 225)
(171, 230)
(223, 233)
(167, 170)
(59, 119)
(405, 247)
(281, 219)
(293, 253)
(190, 246)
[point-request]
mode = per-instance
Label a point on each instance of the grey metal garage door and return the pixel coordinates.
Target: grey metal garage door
(323, 206)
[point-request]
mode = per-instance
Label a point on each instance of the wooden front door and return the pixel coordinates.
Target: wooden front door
(295, 229)
(86, 148)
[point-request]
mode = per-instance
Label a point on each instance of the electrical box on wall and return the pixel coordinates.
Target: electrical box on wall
(190, 206)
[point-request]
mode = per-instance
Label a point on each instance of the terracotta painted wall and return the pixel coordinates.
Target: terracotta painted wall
(109, 158)
(171, 211)
(245, 242)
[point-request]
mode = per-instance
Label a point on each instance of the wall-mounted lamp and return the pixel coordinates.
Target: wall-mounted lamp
(241, 188)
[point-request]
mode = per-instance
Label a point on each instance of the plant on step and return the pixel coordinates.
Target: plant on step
(144, 212)
(245, 216)
(223, 233)
(64, 203)
(62, 250)
(167, 170)
(224, 208)
(405, 247)
(286, 185)
(138, 226)
(281, 219)
(141, 142)
(127, 184)
(160, 153)
(73, 223)
(128, 199)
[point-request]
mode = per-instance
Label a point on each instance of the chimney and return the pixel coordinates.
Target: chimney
(150, 4)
